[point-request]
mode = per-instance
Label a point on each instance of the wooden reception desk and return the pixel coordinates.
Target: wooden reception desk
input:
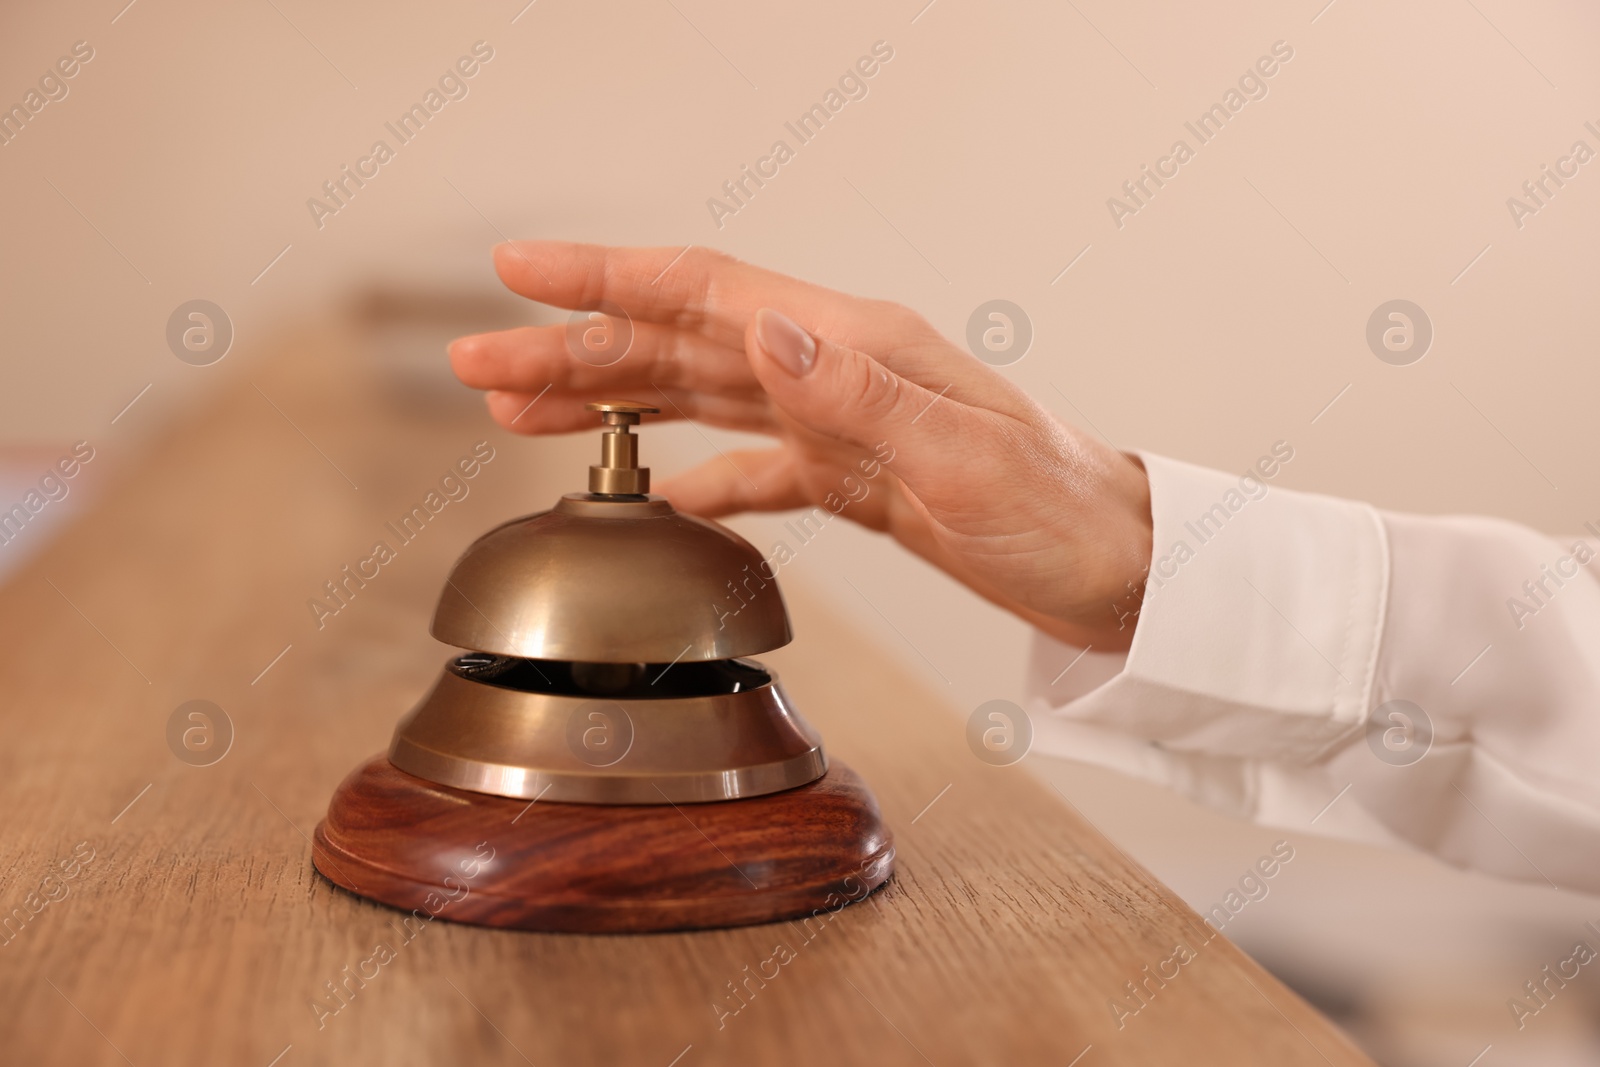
(163, 913)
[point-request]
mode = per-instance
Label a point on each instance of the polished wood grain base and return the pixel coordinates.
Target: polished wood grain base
(470, 857)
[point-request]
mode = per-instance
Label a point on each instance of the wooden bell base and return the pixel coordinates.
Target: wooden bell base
(469, 857)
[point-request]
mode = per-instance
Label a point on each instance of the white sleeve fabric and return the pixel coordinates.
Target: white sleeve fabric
(1315, 664)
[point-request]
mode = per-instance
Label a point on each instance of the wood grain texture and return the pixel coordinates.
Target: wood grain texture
(603, 868)
(200, 934)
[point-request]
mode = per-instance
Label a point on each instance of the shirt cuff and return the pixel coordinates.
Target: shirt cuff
(1259, 632)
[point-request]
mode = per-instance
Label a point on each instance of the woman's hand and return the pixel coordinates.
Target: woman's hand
(1041, 519)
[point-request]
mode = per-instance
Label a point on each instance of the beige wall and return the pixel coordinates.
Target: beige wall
(1206, 327)
(1221, 317)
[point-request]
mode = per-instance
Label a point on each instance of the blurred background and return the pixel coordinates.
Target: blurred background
(1205, 319)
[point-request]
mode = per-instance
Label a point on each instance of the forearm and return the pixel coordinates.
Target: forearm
(1275, 636)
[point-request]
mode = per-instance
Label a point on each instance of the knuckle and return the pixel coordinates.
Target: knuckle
(674, 363)
(709, 258)
(901, 319)
(700, 274)
(878, 391)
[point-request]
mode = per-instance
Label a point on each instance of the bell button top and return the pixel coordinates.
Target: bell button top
(623, 407)
(619, 473)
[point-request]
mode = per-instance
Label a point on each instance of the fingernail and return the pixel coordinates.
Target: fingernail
(782, 338)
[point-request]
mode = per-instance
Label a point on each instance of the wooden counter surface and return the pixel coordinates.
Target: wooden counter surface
(199, 934)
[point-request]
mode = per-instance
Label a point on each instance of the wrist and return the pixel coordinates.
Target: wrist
(1113, 559)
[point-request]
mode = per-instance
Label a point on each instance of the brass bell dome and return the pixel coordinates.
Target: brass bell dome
(612, 581)
(605, 639)
(613, 576)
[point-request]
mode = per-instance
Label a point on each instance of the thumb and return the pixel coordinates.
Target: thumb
(847, 395)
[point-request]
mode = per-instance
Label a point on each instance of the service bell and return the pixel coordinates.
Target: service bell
(604, 756)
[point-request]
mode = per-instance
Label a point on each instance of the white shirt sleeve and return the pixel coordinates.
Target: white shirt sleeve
(1313, 663)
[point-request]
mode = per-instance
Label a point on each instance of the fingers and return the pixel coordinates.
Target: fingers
(562, 411)
(845, 394)
(748, 480)
(532, 357)
(712, 296)
(696, 289)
